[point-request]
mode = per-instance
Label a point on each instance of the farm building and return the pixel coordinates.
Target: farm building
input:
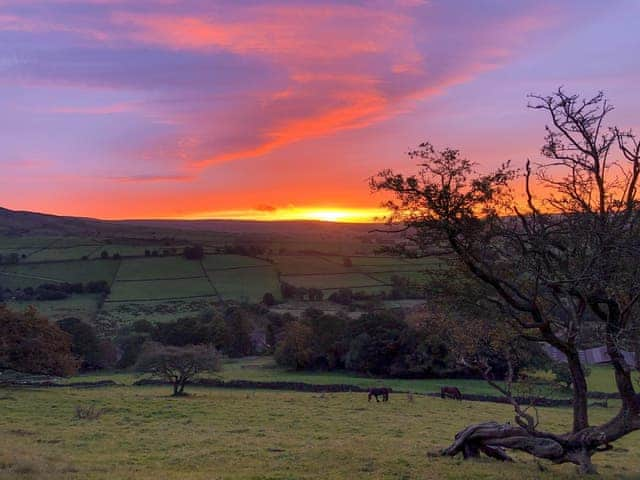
(590, 356)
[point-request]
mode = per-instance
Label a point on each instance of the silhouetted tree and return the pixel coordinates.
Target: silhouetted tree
(565, 255)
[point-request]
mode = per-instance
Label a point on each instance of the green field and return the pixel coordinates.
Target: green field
(26, 274)
(246, 284)
(241, 434)
(160, 289)
(158, 268)
(223, 262)
(307, 264)
(322, 281)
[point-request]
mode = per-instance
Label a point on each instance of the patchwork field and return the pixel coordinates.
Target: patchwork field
(240, 434)
(152, 286)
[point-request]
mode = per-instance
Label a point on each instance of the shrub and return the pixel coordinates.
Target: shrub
(344, 296)
(268, 299)
(88, 413)
(29, 343)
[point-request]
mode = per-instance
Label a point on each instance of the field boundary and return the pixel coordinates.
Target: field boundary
(164, 299)
(159, 279)
(213, 287)
(300, 387)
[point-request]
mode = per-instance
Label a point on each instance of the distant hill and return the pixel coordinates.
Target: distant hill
(20, 223)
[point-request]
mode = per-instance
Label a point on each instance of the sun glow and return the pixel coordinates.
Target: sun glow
(323, 214)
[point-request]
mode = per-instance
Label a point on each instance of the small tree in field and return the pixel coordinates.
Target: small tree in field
(556, 262)
(177, 365)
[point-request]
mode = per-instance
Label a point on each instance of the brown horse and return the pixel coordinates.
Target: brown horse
(451, 392)
(380, 391)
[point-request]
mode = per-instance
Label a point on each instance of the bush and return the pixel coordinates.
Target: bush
(344, 296)
(268, 299)
(30, 344)
(88, 413)
(562, 374)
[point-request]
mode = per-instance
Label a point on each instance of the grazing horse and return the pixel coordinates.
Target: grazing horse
(380, 391)
(451, 392)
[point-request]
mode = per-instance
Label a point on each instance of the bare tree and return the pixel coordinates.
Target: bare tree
(177, 365)
(561, 257)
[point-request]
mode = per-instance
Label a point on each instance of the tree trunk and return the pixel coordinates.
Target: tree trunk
(580, 392)
(493, 438)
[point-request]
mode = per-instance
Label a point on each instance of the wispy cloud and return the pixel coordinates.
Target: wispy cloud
(122, 87)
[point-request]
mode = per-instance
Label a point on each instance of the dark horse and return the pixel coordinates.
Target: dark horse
(380, 391)
(450, 392)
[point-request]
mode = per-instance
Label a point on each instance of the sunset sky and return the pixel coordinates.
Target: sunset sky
(249, 109)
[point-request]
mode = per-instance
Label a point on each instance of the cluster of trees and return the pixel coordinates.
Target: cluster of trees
(231, 331)
(379, 343)
(56, 291)
(193, 252)
(292, 292)
(105, 255)
(249, 249)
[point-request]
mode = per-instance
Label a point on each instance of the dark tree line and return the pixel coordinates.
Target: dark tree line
(378, 343)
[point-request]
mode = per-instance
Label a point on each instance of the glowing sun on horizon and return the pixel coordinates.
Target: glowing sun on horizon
(322, 214)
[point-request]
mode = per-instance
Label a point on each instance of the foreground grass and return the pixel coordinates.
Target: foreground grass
(234, 434)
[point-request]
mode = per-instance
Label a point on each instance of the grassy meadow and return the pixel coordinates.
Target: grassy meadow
(240, 434)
